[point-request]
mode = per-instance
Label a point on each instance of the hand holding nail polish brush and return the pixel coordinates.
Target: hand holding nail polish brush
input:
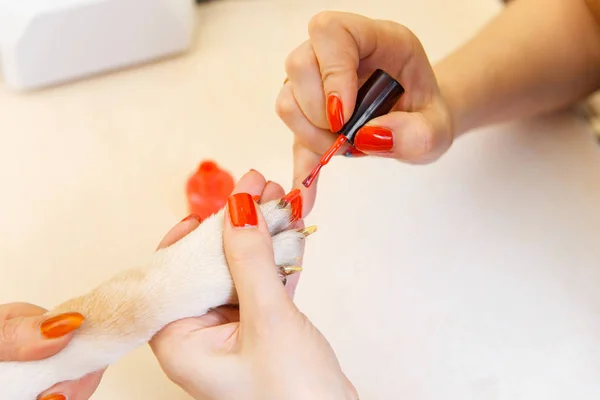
(376, 97)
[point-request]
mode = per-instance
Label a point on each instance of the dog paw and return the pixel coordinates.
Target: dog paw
(288, 241)
(196, 265)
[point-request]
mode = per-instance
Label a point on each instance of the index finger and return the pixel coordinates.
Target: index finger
(340, 40)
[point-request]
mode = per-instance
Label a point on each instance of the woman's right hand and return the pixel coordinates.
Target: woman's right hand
(324, 74)
(266, 348)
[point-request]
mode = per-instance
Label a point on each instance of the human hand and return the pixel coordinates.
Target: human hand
(27, 335)
(266, 349)
(324, 74)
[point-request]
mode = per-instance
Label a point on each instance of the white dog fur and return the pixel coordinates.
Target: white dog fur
(184, 280)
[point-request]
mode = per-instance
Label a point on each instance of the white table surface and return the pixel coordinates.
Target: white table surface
(472, 278)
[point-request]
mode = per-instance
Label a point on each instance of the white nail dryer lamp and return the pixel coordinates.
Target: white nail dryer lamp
(47, 42)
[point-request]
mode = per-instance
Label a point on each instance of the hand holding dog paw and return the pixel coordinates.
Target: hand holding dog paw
(27, 335)
(265, 350)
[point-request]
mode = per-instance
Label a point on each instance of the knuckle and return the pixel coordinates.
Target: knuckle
(322, 21)
(8, 333)
(427, 141)
(429, 137)
(395, 29)
(336, 69)
(402, 30)
(286, 105)
(8, 339)
(410, 42)
(297, 61)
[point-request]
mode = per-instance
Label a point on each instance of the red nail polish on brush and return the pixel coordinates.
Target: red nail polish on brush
(208, 189)
(376, 97)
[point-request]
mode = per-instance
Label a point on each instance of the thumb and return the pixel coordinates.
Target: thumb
(412, 137)
(249, 253)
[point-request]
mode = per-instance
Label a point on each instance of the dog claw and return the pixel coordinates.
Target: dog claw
(294, 200)
(289, 270)
(284, 272)
(309, 230)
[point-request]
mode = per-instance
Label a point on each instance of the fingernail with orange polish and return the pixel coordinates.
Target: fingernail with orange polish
(242, 210)
(373, 139)
(61, 325)
(256, 198)
(54, 397)
(335, 113)
(190, 217)
(294, 199)
(288, 198)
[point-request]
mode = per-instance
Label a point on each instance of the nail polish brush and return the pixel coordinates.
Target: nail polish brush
(376, 97)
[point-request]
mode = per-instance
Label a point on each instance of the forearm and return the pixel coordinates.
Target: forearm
(536, 56)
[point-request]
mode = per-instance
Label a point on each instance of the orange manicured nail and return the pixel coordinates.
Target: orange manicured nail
(374, 139)
(61, 325)
(294, 199)
(192, 216)
(256, 198)
(54, 397)
(335, 113)
(242, 210)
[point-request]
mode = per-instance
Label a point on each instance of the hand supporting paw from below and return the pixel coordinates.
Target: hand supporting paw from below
(259, 350)
(27, 335)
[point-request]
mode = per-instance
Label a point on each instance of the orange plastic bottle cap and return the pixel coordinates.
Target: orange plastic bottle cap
(208, 189)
